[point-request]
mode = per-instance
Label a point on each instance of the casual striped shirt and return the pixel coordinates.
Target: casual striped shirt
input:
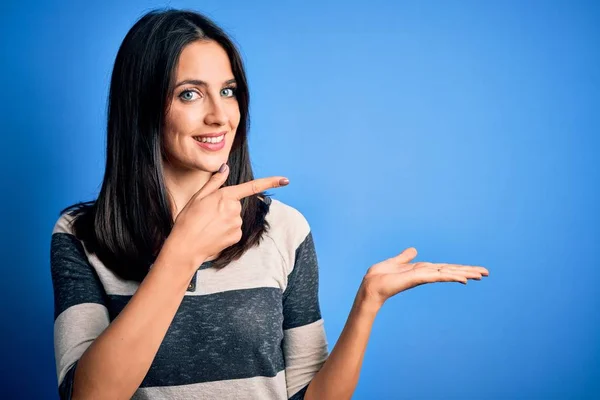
(252, 330)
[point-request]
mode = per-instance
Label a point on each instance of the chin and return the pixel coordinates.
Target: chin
(211, 166)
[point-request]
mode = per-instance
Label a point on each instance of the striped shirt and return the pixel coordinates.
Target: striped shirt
(252, 330)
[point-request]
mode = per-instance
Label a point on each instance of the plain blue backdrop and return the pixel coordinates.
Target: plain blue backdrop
(468, 129)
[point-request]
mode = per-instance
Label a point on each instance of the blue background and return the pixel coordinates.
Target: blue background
(468, 129)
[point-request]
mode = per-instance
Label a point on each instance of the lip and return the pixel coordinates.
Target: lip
(215, 134)
(212, 146)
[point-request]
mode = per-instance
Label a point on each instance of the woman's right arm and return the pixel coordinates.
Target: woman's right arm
(95, 358)
(117, 361)
(99, 359)
(114, 359)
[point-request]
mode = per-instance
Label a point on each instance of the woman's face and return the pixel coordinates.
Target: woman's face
(203, 103)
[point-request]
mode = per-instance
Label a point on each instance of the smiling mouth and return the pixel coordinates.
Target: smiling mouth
(210, 139)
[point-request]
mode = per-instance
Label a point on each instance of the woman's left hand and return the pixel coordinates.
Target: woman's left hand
(394, 275)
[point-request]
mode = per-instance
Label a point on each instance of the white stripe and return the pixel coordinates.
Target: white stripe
(266, 265)
(260, 387)
(74, 331)
(305, 349)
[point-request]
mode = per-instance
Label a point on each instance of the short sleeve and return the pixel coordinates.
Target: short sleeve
(80, 313)
(305, 345)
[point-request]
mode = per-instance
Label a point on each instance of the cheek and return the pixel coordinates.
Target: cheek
(234, 116)
(181, 121)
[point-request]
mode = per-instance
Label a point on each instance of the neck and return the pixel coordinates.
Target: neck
(182, 184)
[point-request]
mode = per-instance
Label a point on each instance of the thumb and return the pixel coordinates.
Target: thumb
(406, 256)
(214, 183)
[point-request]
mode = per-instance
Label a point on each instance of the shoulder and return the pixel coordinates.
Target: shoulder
(288, 228)
(287, 222)
(72, 217)
(64, 224)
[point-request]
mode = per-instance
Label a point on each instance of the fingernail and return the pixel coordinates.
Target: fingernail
(223, 168)
(284, 181)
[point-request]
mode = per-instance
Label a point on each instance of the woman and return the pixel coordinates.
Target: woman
(184, 279)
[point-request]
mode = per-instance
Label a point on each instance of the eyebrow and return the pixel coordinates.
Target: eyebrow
(198, 82)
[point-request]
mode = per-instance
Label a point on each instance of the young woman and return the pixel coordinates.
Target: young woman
(184, 279)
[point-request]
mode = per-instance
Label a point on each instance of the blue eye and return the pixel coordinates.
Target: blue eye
(185, 95)
(228, 92)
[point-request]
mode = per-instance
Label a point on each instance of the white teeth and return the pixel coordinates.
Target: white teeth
(217, 139)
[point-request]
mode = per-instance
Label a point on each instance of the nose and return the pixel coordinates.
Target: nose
(216, 114)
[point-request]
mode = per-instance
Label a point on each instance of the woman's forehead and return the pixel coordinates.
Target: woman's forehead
(206, 61)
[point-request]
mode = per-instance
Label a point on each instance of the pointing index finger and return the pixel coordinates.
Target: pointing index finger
(255, 186)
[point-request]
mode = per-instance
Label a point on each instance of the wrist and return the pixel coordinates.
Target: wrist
(366, 303)
(175, 255)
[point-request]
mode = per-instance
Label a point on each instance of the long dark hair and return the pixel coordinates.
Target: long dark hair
(127, 224)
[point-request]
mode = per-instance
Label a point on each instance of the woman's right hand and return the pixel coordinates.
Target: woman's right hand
(211, 221)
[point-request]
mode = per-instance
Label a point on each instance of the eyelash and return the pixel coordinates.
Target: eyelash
(232, 88)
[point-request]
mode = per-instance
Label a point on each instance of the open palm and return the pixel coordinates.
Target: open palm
(394, 275)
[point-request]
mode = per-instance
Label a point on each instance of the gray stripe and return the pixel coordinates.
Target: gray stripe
(230, 335)
(301, 297)
(65, 388)
(300, 394)
(74, 280)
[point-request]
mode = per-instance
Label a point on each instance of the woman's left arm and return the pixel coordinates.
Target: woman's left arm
(338, 377)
